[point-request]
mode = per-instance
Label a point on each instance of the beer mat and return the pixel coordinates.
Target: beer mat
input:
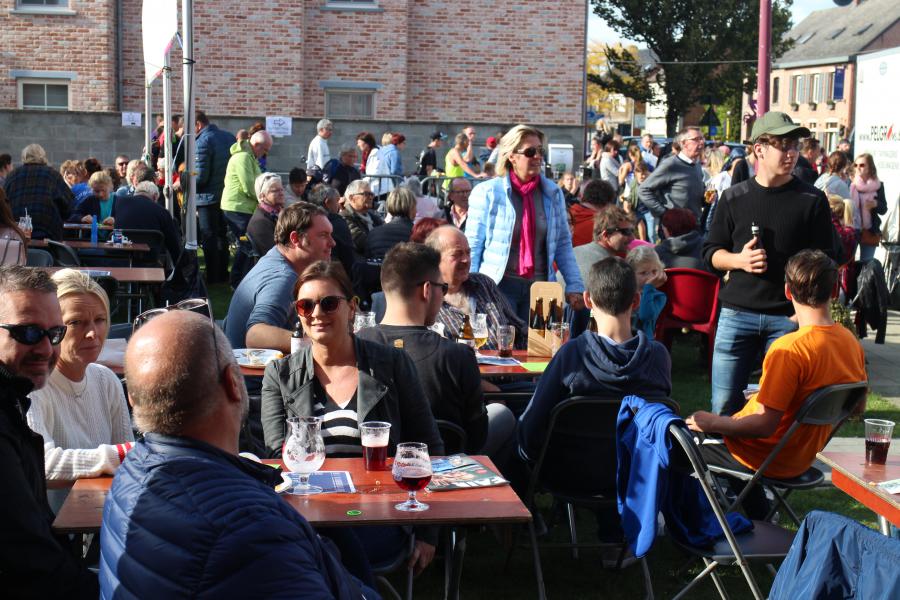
(331, 482)
(891, 487)
(94, 273)
(535, 367)
(459, 472)
(496, 361)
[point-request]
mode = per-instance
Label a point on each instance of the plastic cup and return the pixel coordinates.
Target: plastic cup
(878, 440)
(559, 335)
(506, 338)
(375, 436)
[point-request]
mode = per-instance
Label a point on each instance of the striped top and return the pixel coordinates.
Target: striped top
(340, 426)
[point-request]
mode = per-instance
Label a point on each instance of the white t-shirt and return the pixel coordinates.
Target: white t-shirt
(318, 153)
(85, 424)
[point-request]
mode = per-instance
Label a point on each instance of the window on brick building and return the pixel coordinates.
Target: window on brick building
(346, 104)
(351, 3)
(43, 95)
(42, 2)
(775, 82)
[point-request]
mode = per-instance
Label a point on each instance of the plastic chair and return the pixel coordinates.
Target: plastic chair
(158, 255)
(63, 256)
(765, 542)
(35, 257)
(693, 303)
(454, 436)
(832, 406)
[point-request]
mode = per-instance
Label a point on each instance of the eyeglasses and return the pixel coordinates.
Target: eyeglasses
(700, 139)
(531, 152)
(861, 165)
(121, 164)
(466, 192)
(197, 305)
(444, 287)
(30, 335)
(784, 144)
(364, 194)
(626, 231)
(329, 304)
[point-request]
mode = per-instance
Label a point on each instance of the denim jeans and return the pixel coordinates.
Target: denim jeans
(213, 239)
(518, 293)
(237, 224)
(740, 338)
(866, 253)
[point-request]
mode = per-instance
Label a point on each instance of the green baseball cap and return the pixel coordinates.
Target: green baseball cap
(777, 123)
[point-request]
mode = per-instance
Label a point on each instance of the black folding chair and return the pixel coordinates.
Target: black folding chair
(832, 406)
(765, 542)
(35, 257)
(63, 255)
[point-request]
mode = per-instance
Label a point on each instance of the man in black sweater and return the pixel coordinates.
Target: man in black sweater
(790, 216)
(448, 372)
(142, 211)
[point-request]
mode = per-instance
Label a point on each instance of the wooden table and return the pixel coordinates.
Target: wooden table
(517, 371)
(87, 245)
(143, 275)
(80, 228)
(113, 357)
(851, 474)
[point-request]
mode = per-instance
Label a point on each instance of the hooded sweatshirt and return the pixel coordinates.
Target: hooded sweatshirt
(682, 251)
(591, 365)
(239, 194)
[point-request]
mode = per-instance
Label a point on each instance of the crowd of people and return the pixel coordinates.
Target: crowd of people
(303, 251)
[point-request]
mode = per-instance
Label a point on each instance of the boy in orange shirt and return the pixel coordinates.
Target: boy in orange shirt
(818, 354)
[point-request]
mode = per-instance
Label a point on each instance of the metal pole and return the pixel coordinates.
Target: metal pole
(765, 39)
(167, 132)
(148, 121)
(190, 192)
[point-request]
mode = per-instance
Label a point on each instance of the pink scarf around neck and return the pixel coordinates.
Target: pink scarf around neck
(526, 190)
(861, 191)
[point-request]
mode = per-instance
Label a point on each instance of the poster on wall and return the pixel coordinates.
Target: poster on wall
(131, 119)
(279, 126)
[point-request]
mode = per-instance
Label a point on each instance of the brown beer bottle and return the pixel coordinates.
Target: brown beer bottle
(537, 323)
(466, 332)
(551, 314)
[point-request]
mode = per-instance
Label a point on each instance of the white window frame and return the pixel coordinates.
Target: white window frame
(817, 88)
(21, 82)
(63, 8)
(776, 89)
(361, 5)
(350, 92)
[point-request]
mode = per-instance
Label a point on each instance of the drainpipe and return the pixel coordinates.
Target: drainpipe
(120, 61)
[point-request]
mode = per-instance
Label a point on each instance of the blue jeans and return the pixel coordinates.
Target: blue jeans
(652, 224)
(866, 253)
(237, 224)
(740, 338)
(518, 293)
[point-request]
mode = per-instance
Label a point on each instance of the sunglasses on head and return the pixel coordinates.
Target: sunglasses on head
(531, 152)
(30, 335)
(197, 305)
(329, 304)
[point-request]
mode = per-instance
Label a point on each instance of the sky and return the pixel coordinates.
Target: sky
(598, 31)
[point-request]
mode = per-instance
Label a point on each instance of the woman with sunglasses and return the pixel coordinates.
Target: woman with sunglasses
(868, 200)
(347, 381)
(517, 225)
(81, 413)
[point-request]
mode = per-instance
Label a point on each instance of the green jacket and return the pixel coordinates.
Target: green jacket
(240, 176)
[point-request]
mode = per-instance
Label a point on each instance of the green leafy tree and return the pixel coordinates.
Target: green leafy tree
(706, 49)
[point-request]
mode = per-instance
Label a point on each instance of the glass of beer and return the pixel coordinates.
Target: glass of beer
(412, 472)
(878, 440)
(480, 329)
(375, 436)
(506, 338)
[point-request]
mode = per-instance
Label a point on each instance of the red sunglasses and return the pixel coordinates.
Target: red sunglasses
(329, 304)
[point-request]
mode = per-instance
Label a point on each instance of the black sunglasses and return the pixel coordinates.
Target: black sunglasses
(444, 287)
(628, 231)
(197, 305)
(32, 334)
(329, 304)
(531, 152)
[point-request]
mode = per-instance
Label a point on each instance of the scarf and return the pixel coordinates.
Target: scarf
(526, 190)
(862, 191)
(269, 210)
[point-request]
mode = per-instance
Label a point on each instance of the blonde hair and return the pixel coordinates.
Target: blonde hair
(642, 254)
(101, 178)
(34, 154)
(401, 202)
(386, 138)
(841, 208)
(510, 142)
(70, 281)
(715, 160)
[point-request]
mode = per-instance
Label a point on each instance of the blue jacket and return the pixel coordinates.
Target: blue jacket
(213, 152)
(646, 485)
(185, 520)
(835, 557)
(489, 229)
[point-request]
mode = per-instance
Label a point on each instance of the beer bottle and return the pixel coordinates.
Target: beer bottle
(756, 233)
(537, 323)
(297, 341)
(551, 314)
(466, 333)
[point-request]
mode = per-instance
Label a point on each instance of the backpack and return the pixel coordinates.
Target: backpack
(330, 170)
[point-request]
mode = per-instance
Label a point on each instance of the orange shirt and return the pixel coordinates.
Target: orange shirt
(796, 365)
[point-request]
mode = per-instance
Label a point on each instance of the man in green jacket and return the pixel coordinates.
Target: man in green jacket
(239, 198)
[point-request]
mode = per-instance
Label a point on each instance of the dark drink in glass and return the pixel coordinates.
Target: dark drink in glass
(375, 436)
(376, 458)
(878, 440)
(877, 451)
(505, 353)
(412, 479)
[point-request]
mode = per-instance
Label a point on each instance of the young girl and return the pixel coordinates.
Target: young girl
(651, 274)
(867, 195)
(842, 220)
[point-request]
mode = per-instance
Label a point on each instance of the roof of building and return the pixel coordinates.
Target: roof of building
(837, 34)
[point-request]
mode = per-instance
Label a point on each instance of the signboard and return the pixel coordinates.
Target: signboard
(279, 126)
(640, 121)
(131, 119)
(159, 24)
(838, 83)
(710, 118)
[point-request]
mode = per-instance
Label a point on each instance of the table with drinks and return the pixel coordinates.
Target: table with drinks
(873, 479)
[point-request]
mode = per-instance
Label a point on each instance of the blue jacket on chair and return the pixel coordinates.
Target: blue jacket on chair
(647, 485)
(186, 520)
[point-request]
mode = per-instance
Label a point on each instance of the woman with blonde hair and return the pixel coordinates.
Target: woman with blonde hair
(867, 197)
(81, 413)
(517, 224)
(100, 204)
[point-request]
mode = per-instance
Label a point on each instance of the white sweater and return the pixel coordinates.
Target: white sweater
(85, 424)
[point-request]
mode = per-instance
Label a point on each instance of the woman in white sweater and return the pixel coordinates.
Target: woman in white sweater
(81, 412)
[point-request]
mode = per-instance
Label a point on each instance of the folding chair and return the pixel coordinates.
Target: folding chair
(581, 429)
(831, 405)
(35, 257)
(766, 542)
(398, 562)
(63, 255)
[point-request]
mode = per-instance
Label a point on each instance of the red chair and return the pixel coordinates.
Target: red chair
(693, 303)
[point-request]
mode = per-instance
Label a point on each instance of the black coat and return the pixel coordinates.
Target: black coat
(33, 561)
(871, 301)
(381, 239)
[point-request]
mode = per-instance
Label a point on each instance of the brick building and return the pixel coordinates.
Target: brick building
(413, 61)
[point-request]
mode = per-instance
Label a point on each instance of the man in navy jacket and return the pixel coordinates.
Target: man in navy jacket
(213, 152)
(186, 516)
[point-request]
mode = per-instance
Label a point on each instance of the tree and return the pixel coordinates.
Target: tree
(610, 69)
(705, 48)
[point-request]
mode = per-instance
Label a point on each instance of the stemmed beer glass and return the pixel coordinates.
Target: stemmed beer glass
(412, 472)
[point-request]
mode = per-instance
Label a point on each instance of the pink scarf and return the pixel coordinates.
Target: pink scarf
(862, 191)
(526, 190)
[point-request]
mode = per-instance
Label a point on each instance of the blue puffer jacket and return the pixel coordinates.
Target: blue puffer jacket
(213, 152)
(185, 520)
(489, 229)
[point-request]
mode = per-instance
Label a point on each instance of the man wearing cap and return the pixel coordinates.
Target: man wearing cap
(789, 216)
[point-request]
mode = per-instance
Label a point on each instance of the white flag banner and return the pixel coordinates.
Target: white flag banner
(159, 25)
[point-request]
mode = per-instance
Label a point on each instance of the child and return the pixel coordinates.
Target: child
(645, 221)
(651, 274)
(842, 220)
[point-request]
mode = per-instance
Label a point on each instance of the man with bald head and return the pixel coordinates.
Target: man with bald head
(33, 562)
(239, 196)
(186, 516)
(469, 293)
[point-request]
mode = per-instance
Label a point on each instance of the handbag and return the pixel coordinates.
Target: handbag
(10, 251)
(870, 238)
